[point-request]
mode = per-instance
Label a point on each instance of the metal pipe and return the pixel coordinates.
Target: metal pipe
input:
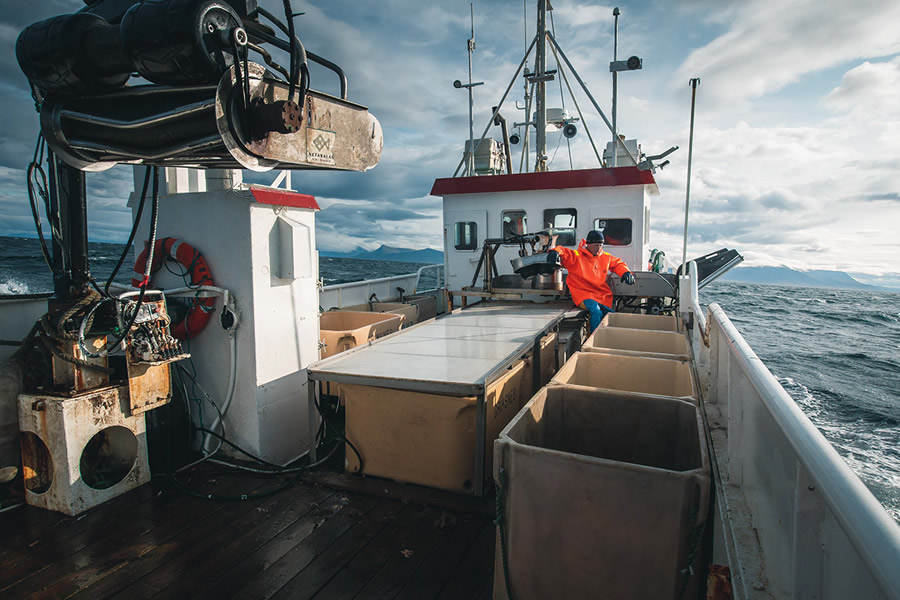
(540, 67)
(164, 117)
(687, 196)
(615, 82)
(67, 184)
(470, 45)
(499, 120)
(105, 150)
(480, 440)
(281, 44)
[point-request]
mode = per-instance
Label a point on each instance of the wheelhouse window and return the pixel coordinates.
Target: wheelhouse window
(513, 222)
(465, 235)
(563, 221)
(616, 231)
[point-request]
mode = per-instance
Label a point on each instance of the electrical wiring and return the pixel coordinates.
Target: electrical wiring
(154, 214)
(134, 228)
(221, 420)
(275, 468)
(12, 506)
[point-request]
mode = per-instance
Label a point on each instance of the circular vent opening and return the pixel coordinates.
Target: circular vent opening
(108, 457)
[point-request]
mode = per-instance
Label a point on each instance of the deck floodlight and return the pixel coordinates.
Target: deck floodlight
(634, 63)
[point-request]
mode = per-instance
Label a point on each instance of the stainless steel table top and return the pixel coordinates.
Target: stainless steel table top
(455, 354)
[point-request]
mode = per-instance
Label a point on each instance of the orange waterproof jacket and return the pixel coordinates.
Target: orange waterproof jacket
(587, 274)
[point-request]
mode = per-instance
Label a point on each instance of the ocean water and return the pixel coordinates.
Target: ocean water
(836, 352)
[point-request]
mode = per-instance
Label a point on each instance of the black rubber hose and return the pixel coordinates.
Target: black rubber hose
(137, 221)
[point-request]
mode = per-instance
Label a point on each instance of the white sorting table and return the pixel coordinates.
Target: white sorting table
(458, 354)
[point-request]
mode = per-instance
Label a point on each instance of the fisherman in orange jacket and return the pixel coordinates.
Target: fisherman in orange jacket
(588, 267)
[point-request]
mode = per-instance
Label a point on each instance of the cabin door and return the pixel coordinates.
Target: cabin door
(464, 235)
(623, 229)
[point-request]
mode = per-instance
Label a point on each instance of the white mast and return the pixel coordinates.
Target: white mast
(615, 81)
(471, 48)
(540, 78)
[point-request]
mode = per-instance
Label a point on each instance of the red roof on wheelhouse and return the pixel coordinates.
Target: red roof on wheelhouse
(548, 180)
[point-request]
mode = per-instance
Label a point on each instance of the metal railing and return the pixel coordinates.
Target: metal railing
(439, 278)
(818, 531)
(359, 292)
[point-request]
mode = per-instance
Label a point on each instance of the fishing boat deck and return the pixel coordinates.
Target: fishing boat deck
(307, 541)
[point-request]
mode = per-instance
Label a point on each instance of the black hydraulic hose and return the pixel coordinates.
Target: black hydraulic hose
(137, 221)
(304, 53)
(154, 214)
(35, 167)
(268, 59)
(292, 38)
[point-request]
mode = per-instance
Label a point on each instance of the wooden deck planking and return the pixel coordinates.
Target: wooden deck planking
(304, 542)
(111, 543)
(195, 570)
(400, 566)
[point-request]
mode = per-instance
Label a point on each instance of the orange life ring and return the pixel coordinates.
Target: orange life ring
(202, 308)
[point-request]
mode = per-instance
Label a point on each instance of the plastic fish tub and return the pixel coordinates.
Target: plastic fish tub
(548, 364)
(340, 330)
(426, 305)
(409, 312)
(423, 438)
(638, 321)
(634, 374)
(601, 494)
(638, 342)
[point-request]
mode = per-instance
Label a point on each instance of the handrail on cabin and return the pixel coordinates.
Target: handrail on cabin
(438, 268)
(870, 529)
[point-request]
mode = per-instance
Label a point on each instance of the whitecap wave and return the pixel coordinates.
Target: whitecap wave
(9, 287)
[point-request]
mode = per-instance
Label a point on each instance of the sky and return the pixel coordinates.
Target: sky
(796, 145)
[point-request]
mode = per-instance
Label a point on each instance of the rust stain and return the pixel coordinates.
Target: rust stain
(718, 583)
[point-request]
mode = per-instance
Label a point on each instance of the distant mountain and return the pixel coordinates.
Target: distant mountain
(788, 276)
(427, 256)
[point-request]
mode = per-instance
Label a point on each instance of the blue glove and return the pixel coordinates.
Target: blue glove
(553, 257)
(628, 278)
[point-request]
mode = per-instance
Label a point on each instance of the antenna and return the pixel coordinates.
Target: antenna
(634, 63)
(470, 44)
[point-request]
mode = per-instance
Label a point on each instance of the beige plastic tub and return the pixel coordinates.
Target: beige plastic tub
(427, 439)
(638, 342)
(548, 365)
(601, 493)
(340, 330)
(637, 321)
(633, 374)
(409, 312)
(427, 306)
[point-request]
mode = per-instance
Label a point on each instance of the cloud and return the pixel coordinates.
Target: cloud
(886, 197)
(766, 48)
(870, 89)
